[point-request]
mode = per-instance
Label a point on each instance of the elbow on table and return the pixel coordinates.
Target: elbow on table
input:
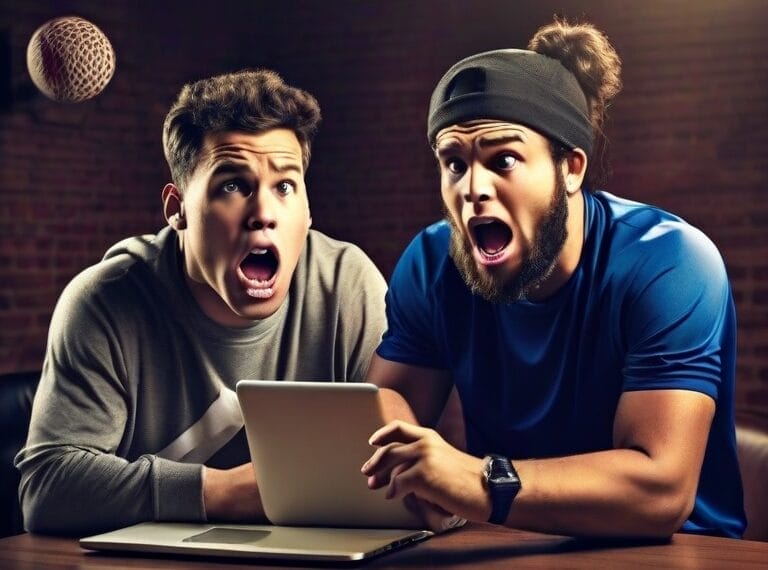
(52, 514)
(37, 518)
(667, 514)
(40, 517)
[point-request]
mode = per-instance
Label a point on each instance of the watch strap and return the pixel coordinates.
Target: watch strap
(503, 488)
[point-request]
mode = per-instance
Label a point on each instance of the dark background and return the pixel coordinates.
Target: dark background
(688, 133)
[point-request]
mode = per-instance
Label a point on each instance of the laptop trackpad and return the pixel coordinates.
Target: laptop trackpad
(229, 536)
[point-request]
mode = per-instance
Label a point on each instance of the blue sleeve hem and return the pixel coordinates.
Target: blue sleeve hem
(702, 386)
(396, 356)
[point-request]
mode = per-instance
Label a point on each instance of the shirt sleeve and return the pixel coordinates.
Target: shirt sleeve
(411, 302)
(362, 319)
(72, 479)
(679, 315)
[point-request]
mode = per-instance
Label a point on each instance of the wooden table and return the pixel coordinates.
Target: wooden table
(477, 546)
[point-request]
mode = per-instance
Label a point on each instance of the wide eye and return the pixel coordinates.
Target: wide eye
(505, 161)
(236, 186)
(286, 187)
(455, 166)
(230, 187)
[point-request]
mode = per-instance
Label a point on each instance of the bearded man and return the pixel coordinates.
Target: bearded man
(591, 339)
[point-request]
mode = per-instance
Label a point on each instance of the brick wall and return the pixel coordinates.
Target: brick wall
(689, 132)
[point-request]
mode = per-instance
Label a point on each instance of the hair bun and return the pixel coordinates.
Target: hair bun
(587, 53)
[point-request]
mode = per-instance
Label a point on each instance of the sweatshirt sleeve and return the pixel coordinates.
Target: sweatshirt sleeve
(362, 315)
(79, 474)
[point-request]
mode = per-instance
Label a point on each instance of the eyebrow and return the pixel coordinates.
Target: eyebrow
(495, 140)
(285, 167)
(449, 147)
(227, 167)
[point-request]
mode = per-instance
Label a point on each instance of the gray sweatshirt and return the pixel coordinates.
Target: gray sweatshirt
(137, 386)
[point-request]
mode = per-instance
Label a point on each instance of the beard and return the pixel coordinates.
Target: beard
(537, 265)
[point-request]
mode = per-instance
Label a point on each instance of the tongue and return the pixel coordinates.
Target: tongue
(492, 237)
(258, 267)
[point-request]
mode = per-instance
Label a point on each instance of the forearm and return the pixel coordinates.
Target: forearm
(419, 402)
(394, 407)
(67, 490)
(619, 492)
(645, 486)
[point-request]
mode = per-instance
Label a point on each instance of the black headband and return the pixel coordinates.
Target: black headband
(513, 85)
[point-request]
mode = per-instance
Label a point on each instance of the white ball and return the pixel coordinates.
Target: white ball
(70, 59)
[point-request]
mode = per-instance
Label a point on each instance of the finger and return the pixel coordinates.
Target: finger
(404, 479)
(390, 478)
(397, 430)
(387, 457)
(376, 471)
(386, 434)
(374, 462)
(397, 485)
(378, 467)
(376, 481)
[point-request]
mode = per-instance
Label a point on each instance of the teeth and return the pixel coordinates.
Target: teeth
(258, 251)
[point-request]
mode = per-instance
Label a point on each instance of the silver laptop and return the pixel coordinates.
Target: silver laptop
(319, 544)
(307, 441)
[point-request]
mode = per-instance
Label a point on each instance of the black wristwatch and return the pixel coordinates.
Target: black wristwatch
(503, 484)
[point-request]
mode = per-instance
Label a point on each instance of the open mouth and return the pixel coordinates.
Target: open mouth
(260, 270)
(491, 237)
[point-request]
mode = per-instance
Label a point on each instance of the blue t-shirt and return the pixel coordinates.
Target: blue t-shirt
(649, 307)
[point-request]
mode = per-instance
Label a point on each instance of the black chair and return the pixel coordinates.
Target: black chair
(16, 392)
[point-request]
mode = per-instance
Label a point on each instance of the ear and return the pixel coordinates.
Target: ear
(574, 169)
(173, 207)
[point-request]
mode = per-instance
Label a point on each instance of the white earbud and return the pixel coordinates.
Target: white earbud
(178, 222)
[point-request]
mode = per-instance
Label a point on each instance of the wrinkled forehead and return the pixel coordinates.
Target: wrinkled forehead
(279, 148)
(482, 134)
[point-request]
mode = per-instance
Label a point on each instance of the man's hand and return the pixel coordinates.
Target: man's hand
(232, 494)
(416, 460)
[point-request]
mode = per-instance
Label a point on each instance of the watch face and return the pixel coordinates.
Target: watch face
(499, 472)
(505, 479)
(503, 485)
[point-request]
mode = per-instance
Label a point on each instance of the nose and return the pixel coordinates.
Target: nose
(480, 185)
(260, 211)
